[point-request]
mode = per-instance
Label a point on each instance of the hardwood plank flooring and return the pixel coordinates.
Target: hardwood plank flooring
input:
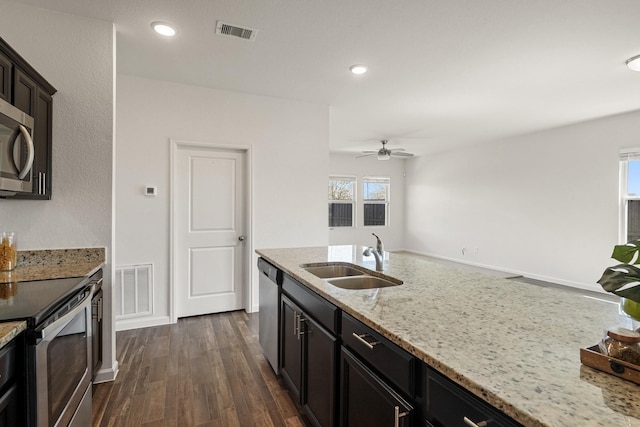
(203, 371)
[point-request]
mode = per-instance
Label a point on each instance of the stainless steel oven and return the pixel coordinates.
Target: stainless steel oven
(59, 353)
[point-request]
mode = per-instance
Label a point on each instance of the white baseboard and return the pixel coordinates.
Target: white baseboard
(106, 375)
(141, 322)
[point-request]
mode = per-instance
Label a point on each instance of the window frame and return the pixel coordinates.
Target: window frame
(386, 202)
(626, 155)
(352, 202)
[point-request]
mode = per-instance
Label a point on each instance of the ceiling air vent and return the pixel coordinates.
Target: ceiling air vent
(235, 31)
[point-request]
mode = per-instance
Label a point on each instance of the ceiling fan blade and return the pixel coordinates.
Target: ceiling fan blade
(397, 149)
(370, 151)
(367, 155)
(394, 153)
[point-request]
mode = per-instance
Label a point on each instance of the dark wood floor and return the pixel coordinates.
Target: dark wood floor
(203, 371)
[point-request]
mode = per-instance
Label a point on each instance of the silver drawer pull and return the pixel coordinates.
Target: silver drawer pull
(398, 415)
(365, 342)
(470, 423)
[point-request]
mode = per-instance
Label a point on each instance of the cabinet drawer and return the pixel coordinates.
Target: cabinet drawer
(7, 365)
(387, 358)
(448, 404)
(317, 307)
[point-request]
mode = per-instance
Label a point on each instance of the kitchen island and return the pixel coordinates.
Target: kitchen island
(512, 344)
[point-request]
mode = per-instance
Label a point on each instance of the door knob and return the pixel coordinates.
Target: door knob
(242, 238)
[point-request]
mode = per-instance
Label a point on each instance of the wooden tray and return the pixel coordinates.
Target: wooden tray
(592, 357)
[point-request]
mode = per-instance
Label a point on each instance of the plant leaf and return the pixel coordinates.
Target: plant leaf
(622, 280)
(626, 253)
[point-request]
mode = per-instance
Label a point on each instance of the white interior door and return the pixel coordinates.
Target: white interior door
(209, 208)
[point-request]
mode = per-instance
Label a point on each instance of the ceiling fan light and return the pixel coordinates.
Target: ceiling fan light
(634, 63)
(384, 156)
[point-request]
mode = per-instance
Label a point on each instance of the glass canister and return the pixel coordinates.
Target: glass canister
(621, 343)
(8, 251)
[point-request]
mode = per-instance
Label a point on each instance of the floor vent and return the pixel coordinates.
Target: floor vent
(134, 291)
(235, 31)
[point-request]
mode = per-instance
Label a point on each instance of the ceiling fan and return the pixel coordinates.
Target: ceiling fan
(386, 153)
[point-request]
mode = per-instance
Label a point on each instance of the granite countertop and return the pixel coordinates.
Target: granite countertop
(10, 330)
(45, 265)
(513, 344)
(55, 264)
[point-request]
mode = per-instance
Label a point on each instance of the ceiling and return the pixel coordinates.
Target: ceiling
(442, 73)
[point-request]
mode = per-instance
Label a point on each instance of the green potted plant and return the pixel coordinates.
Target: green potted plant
(624, 279)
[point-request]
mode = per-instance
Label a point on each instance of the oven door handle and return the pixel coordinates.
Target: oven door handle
(52, 328)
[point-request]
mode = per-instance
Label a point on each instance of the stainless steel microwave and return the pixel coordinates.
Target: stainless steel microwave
(16, 150)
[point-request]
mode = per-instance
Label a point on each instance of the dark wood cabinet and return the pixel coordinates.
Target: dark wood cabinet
(6, 68)
(449, 405)
(26, 89)
(308, 355)
(367, 400)
(319, 397)
(291, 354)
(36, 102)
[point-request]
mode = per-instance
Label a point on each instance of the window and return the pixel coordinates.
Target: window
(376, 201)
(630, 195)
(341, 201)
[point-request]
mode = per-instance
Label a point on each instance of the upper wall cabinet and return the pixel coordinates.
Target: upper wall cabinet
(6, 69)
(26, 89)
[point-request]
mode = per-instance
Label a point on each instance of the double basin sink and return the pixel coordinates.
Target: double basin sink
(349, 276)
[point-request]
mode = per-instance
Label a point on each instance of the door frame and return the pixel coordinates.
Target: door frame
(174, 146)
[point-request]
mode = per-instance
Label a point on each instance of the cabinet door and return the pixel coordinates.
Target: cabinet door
(5, 78)
(366, 400)
(319, 395)
(34, 101)
(24, 91)
(291, 352)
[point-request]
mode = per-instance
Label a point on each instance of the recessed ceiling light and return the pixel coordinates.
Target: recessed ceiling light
(634, 63)
(358, 69)
(164, 28)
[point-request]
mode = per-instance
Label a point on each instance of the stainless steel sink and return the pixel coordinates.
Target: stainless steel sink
(363, 282)
(349, 276)
(333, 270)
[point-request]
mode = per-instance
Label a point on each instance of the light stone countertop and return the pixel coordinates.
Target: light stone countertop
(10, 330)
(513, 344)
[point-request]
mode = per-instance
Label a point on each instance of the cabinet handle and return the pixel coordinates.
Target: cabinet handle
(44, 183)
(300, 320)
(398, 415)
(470, 423)
(295, 324)
(365, 342)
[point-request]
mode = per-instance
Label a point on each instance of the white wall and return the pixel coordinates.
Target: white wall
(544, 205)
(290, 157)
(393, 234)
(76, 55)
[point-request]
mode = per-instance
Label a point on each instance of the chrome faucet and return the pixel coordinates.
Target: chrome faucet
(370, 251)
(379, 246)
